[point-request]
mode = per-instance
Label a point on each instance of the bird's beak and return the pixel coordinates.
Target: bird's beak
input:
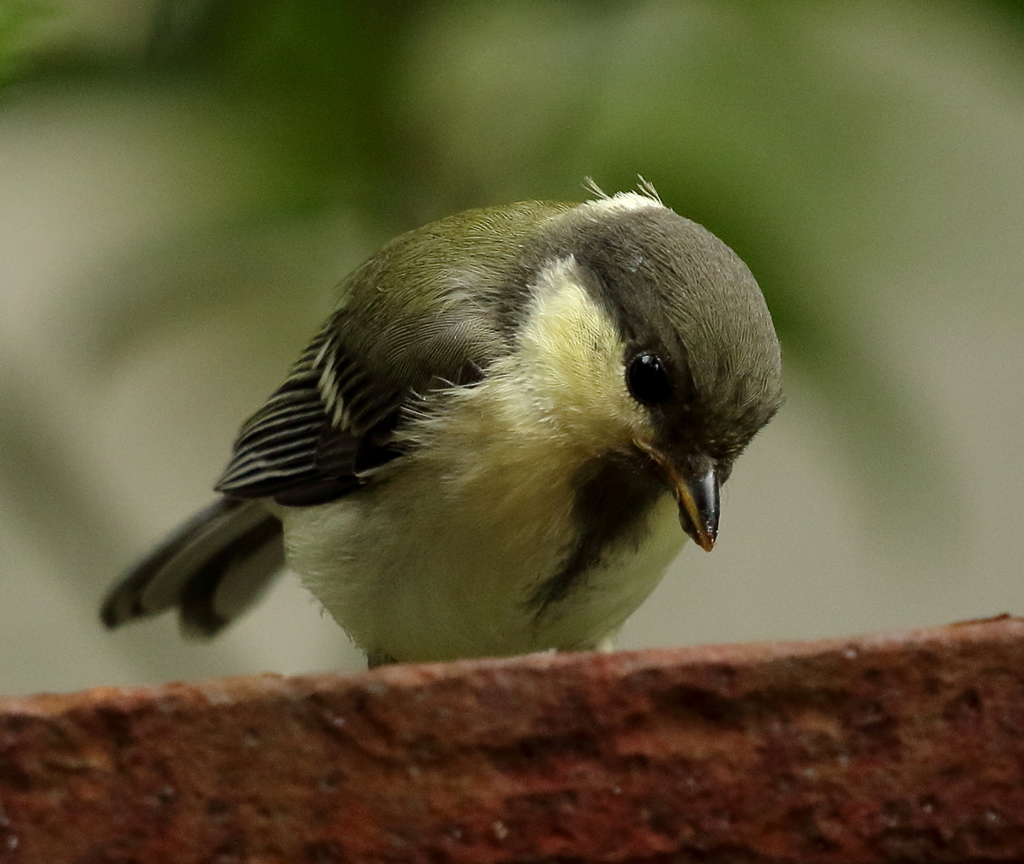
(694, 479)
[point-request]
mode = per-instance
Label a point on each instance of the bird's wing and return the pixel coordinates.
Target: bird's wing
(437, 325)
(317, 437)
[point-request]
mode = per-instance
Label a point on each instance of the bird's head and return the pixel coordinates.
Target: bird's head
(653, 336)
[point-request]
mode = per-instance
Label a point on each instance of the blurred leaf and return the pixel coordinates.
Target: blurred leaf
(1011, 10)
(17, 20)
(320, 77)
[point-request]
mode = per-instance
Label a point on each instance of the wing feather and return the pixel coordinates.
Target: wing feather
(319, 433)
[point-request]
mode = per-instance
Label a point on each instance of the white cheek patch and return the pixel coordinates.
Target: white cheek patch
(571, 354)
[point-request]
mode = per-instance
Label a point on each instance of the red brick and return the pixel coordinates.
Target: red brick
(898, 747)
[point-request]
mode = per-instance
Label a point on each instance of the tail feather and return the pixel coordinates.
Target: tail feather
(212, 568)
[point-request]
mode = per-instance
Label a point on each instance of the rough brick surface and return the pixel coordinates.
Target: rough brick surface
(901, 747)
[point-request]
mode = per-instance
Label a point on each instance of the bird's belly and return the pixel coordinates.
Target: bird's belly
(417, 570)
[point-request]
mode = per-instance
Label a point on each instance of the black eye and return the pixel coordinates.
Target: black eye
(647, 379)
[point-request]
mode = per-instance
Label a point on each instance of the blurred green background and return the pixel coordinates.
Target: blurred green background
(183, 183)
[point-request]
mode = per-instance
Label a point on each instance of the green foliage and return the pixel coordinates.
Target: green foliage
(401, 112)
(17, 20)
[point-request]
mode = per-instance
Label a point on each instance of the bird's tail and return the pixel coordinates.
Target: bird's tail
(212, 568)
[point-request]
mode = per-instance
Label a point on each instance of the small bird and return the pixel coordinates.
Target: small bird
(497, 442)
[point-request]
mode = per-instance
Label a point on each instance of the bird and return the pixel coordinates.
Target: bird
(498, 440)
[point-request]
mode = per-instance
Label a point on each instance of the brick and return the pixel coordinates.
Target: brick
(904, 747)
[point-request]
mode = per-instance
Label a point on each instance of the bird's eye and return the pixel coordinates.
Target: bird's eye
(647, 379)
